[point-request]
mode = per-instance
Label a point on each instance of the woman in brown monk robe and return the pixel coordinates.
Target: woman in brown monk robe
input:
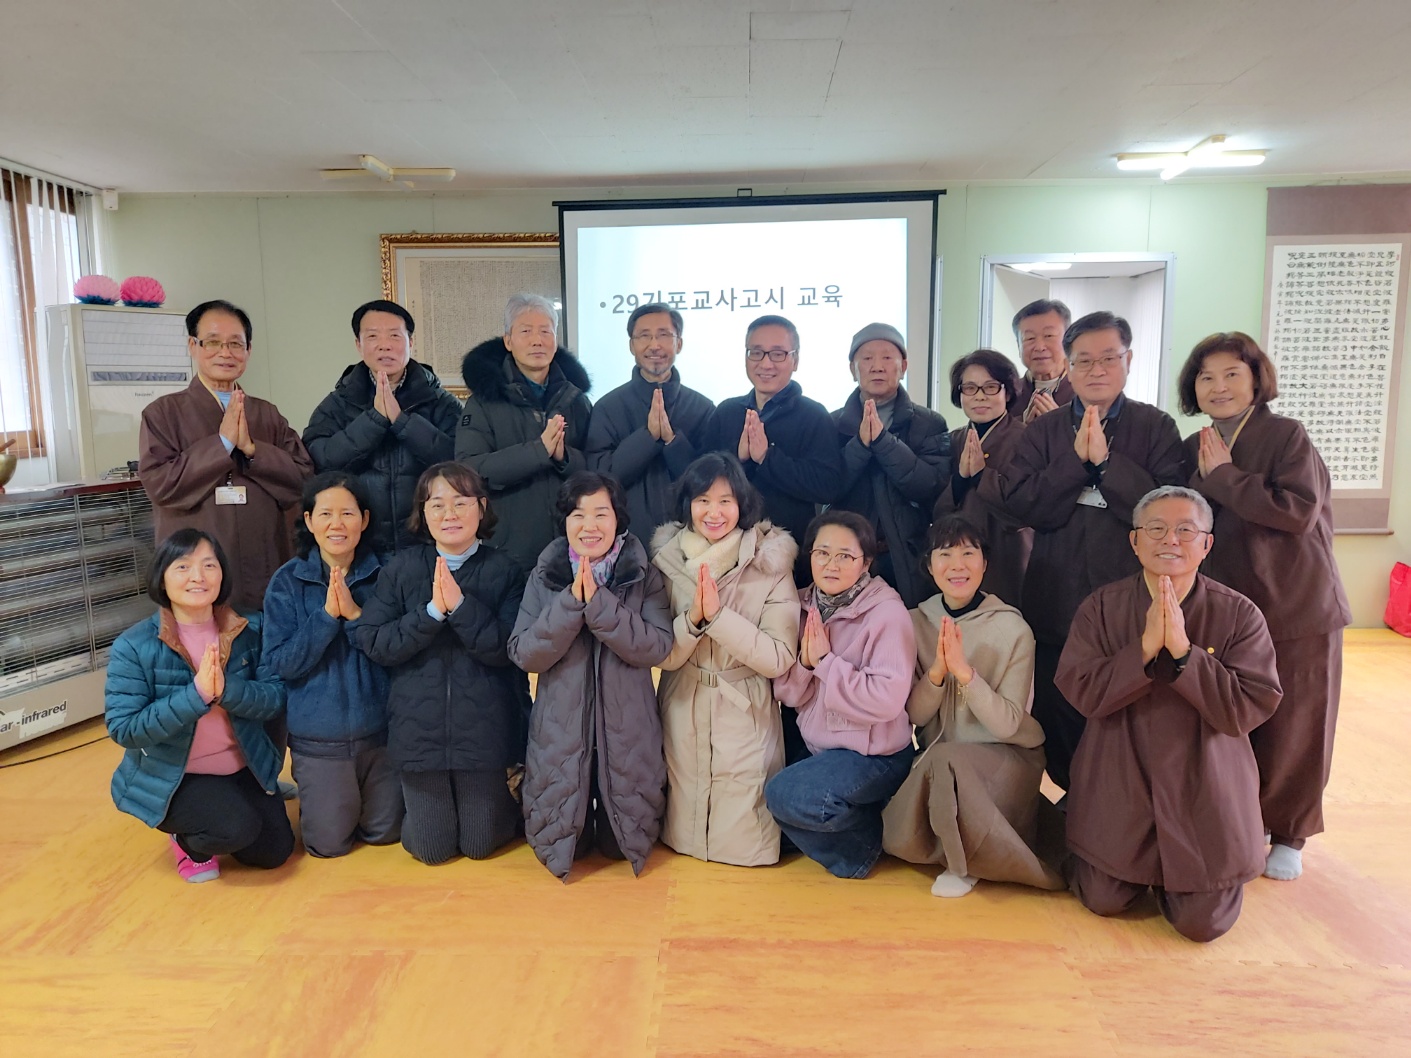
(1273, 543)
(971, 801)
(982, 385)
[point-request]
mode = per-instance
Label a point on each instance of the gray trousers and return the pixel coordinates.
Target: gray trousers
(349, 799)
(470, 812)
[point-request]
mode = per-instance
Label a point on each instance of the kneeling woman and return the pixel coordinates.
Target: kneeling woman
(849, 685)
(439, 621)
(971, 801)
(596, 618)
(186, 698)
(348, 789)
(737, 627)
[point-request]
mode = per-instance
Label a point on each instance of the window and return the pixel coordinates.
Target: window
(40, 249)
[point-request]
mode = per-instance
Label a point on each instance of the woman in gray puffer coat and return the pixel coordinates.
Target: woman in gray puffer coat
(595, 618)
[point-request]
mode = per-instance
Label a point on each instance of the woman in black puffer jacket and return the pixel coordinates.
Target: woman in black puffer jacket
(439, 621)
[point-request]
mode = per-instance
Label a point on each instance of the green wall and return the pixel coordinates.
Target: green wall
(300, 263)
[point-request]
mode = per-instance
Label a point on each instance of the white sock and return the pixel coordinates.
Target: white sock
(1284, 864)
(950, 884)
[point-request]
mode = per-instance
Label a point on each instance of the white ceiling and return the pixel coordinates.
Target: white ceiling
(247, 95)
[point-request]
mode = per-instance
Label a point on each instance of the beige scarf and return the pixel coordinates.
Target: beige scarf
(720, 557)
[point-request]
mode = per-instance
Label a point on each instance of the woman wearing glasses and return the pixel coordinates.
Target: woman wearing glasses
(849, 685)
(982, 385)
(1274, 544)
(439, 621)
(971, 803)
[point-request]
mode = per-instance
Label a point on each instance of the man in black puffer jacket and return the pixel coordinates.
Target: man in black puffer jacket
(386, 421)
(525, 424)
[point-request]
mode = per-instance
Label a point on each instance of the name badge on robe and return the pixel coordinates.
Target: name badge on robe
(1089, 497)
(228, 494)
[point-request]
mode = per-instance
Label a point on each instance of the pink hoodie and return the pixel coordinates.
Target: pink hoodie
(856, 697)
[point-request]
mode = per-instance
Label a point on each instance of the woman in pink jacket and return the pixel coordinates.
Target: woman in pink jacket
(849, 685)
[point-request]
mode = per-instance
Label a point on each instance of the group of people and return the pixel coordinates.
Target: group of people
(873, 632)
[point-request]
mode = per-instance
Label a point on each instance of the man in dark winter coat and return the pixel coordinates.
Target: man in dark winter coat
(386, 421)
(525, 424)
(896, 459)
(647, 431)
(786, 442)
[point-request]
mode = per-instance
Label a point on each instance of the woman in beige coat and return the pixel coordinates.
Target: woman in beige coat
(971, 803)
(737, 626)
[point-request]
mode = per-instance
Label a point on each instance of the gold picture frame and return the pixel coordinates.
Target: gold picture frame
(455, 286)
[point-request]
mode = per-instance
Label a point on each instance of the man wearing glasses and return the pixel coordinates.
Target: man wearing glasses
(1038, 329)
(647, 431)
(786, 442)
(1172, 670)
(386, 421)
(896, 459)
(1075, 477)
(216, 459)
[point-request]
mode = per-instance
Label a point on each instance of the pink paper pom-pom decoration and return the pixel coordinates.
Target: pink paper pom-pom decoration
(97, 290)
(142, 292)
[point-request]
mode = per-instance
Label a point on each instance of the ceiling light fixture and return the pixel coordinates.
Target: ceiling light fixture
(369, 164)
(1044, 266)
(1208, 153)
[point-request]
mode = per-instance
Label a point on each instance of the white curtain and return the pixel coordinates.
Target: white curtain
(40, 250)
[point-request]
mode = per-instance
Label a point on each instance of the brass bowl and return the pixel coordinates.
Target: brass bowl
(8, 463)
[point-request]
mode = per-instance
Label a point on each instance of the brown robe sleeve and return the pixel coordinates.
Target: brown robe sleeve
(280, 464)
(1234, 685)
(176, 473)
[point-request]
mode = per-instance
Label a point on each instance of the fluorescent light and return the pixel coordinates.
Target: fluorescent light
(1208, 153)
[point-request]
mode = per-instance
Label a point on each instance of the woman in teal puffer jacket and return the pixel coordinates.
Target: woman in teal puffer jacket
(185, 697)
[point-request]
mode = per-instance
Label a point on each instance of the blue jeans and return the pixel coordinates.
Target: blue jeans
(830, 805)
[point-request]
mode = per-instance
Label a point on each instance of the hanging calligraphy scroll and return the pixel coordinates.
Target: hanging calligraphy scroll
(1334, 319)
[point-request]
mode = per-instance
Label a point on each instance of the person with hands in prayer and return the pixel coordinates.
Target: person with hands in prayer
(1045, 386)
(1273, 543)
(786, 442)
(216, 459)
(1172, 670)
(648, 430)
(982, 387)
(440, 621)
(387, 420)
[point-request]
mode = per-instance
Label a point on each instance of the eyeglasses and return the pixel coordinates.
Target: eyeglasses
(1185, 532)
(436, 509)
(1108, 363)
(841, 559)
(661, 336)
(215, 345)
(989, 389)
(776, 356)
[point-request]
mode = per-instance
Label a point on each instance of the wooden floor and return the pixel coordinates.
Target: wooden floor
(105, 952)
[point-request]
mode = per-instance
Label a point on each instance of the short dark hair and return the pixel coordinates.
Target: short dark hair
(466, 482)
(381, 306)
(585, 483)
(859, 526)
(650, 310)
(952, 530)
(304, 542)
(997, 364)
(1097, 321)
(193, 318)
(1042, 307)
(1237, 343)
(180, 544)
(697, 479)
(774, 321)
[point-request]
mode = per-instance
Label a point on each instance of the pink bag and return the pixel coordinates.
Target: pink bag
(1398, 612)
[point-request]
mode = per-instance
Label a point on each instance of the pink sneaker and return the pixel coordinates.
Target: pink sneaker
(190, 870)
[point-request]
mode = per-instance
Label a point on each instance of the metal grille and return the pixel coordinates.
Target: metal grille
(72, 578)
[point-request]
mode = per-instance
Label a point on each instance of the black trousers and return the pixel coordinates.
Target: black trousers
(470, 812)
(211, 815)
(1063, 725)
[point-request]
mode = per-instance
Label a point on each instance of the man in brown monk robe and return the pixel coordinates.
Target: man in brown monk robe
(214, 458)
(1038, 329)
(1074, 477)
(1172, 670)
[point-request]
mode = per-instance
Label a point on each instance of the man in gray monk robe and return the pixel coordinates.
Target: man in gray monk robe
(1172, 670)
